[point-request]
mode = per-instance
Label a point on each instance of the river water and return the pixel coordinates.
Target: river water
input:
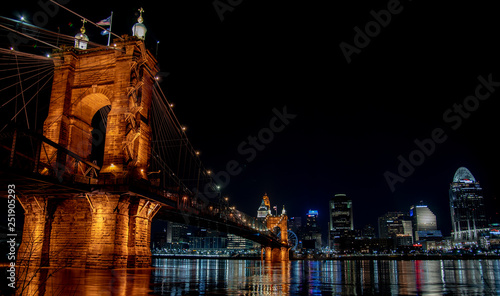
(254, 277)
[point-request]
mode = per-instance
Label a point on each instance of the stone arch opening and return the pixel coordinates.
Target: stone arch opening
(99, 125)
(276, 230)
(278, 224)
(88, 125)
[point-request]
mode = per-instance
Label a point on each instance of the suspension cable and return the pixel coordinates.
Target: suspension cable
(31, 37)
(84, 18)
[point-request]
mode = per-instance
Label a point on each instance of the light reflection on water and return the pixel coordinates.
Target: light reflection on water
(252, 277)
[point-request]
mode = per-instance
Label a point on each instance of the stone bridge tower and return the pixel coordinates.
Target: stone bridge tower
(109, 226)
(277, 223)
(89, 84)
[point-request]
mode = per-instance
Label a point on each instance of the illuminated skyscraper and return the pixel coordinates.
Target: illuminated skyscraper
(312, 231)
(311, 220)
(393, 224)
(424, 222)
(265, 208)
(423, 218)
(467, 208)
(397, 226)
(341, 223)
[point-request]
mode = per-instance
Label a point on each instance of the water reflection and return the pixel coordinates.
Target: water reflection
(355, 277)
(90, 282)
(252, 277)
(221, 277)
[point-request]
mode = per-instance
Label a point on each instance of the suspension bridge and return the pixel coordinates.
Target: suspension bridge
(95, 152)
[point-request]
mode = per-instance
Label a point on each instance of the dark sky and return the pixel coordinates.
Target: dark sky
(352, 120)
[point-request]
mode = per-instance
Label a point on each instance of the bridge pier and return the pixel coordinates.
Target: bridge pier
(275, 254)
(33, 232)
(90, 231)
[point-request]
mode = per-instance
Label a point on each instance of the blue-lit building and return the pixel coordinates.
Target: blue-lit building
(468, 215)
(312, 231)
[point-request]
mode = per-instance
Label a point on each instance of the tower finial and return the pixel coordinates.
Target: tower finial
(81, 40)
(140, 19)
(82, 29)
(139, 30)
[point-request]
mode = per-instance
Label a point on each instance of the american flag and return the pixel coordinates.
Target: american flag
(105, 22)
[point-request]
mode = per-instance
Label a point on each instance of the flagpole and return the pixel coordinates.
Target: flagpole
(110, 24)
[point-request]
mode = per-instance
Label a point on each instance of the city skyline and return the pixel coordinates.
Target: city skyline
(418, 222)
(343, 130)
(430, 223)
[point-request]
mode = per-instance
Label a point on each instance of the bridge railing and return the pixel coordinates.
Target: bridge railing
(27, 151)
(240, 219)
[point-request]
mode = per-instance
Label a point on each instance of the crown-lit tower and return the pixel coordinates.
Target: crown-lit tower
(467, 208)
(264, 208)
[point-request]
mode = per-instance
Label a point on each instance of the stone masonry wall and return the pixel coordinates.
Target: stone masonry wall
(93, 231)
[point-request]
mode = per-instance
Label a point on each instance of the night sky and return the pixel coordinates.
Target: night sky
(347, 123)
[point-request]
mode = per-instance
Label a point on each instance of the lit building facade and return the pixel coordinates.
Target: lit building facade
(265, 208)
(295, 224)
(424, 222)
(235, 242)
(312, 231)
(391, 224)
(468, 215)
(341, 223)
(396, 226)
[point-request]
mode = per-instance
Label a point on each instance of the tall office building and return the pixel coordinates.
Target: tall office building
(468, 215)
(398, 226)
(312, 220)
(294, 224)
(264, 208)
(312, 231)
(341, 223)
(423, 218)
(424, 222)
(368, 232)
(391, 224)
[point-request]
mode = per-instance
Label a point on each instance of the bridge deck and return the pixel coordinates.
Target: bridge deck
(31, 177)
